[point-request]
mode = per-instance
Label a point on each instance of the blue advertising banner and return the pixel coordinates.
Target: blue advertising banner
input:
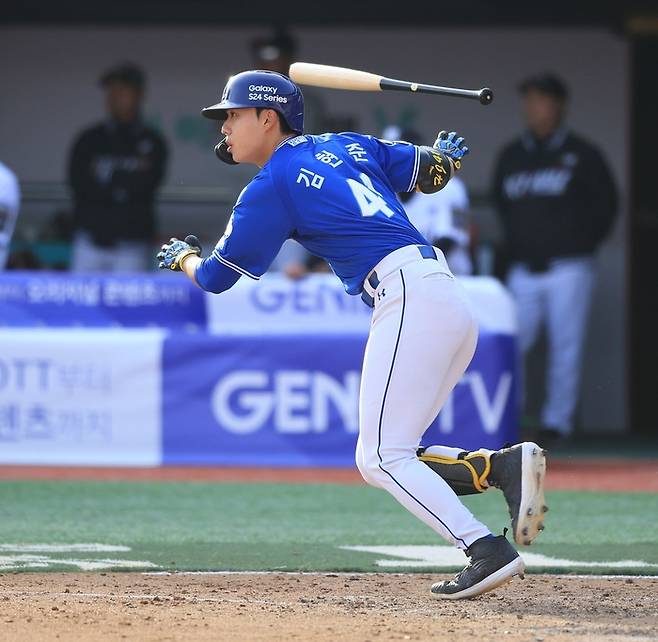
(260, 401)
(64, 300)
(293, 400)
(101, 370)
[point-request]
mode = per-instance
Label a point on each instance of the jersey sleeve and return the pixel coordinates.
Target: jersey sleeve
(258, 226)
(399, 161)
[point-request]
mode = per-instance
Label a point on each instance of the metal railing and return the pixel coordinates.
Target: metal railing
(58, 192)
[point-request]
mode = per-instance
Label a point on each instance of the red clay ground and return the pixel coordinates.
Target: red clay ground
(563, 474)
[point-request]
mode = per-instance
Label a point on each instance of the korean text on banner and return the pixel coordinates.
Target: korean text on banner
(83, 397)
(137, 300)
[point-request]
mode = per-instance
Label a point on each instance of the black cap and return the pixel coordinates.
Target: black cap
(546, 83)
(279, 44)
(126, 73)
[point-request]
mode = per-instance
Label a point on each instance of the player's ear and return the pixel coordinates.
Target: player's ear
(269, 118)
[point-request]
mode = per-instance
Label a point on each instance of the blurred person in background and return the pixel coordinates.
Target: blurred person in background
(291, 260)
(276, 52)
(9, 203)
(295, 262)
(556, 200)
(115, 169)
(442, 218)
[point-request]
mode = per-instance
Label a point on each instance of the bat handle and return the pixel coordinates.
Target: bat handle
(484, 96)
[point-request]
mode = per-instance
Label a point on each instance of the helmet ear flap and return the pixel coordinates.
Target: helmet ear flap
(221, 151)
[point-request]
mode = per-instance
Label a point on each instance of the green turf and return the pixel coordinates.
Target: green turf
(203, 526)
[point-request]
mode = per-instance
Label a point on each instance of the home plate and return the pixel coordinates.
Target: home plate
(444, 557)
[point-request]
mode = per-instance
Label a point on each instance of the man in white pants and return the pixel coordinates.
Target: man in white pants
(115, 169)
(336, 195)
(557, 202)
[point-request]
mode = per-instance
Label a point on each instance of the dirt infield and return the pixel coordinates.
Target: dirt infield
(329, 607)
(563, 474)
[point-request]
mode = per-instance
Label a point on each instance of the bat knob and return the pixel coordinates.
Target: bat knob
(486, 96)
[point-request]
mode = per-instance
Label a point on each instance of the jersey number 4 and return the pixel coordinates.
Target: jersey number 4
(369, 200)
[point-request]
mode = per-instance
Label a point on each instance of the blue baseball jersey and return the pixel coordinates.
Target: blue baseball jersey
(335, 194)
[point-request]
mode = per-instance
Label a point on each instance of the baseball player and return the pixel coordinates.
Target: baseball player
(10, 197)
(336, 195)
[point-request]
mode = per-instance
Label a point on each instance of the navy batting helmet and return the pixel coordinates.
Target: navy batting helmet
(266, 89)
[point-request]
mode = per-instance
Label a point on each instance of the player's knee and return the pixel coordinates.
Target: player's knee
(369, 468)
(393, 453)
(394, 458)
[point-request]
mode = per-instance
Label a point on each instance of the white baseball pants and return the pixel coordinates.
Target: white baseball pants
(559, 297)
(127, 256)
(422, 338)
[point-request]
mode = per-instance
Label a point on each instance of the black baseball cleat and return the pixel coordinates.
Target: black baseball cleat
(519, 472)
(492, 562)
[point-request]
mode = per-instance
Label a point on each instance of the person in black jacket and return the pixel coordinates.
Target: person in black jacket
(115, 169)
(556, 200)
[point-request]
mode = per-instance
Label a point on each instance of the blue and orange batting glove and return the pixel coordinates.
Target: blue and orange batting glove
(452, 145)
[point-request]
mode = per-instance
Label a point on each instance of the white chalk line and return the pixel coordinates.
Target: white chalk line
(423, 556)
(593, 576)
(22, 556)
(64, 548)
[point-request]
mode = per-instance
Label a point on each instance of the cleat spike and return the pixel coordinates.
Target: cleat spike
(530, 512)
(525, 531)
(544, 509)
(540, 526)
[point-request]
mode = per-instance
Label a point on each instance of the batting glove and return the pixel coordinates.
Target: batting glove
(452, 145)
(173, 253)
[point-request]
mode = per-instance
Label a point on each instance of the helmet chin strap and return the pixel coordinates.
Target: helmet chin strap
(221, 151)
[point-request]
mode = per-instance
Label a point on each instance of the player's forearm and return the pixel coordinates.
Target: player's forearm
(210, 275)
(435, 170)
(438, 164)
(189, 266)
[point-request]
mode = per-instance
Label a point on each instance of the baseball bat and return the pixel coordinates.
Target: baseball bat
(306, 73)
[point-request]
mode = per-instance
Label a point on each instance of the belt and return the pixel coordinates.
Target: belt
(426, 252)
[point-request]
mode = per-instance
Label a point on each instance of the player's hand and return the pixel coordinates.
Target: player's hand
(452, 145)
(172, 254)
